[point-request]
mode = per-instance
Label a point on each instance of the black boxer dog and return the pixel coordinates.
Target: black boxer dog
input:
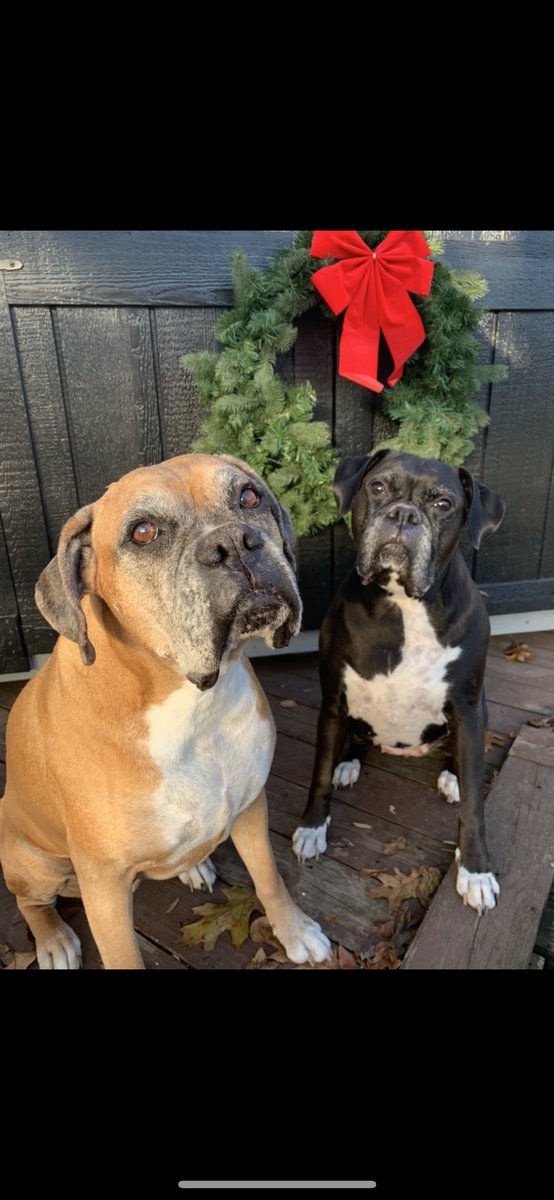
(403, 646)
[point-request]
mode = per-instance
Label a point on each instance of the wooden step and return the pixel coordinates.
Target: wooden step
(520, 832)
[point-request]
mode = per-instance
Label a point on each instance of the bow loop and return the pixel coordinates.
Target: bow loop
(373, 287)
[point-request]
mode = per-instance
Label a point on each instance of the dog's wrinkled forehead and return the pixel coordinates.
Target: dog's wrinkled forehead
(197, 486)
(416, 478)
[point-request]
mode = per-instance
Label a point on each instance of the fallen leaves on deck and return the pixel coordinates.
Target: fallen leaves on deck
(542, 722)
(518, 652)
(288, 704)
(420, 885)
(15, 960)
(233, 916)
(492, 739)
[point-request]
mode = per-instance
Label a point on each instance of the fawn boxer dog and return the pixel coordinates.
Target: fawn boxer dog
(403, 646)
(146, 739)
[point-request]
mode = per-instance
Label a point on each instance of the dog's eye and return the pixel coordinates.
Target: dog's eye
(249, 498)
(442, 503)
(376, 487)
(144, 532)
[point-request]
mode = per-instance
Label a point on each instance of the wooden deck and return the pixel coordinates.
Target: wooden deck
(392, 819)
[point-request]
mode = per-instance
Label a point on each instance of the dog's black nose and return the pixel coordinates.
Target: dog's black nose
(404, 514)
(231, 545)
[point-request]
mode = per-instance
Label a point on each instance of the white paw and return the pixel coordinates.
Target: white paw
(200, 876)
(346, 774)
(447, 785)
(61, 951)
(310, 843)
(476, 889)
(303, 939)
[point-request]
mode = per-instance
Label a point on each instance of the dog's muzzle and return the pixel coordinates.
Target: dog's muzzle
(251, 587)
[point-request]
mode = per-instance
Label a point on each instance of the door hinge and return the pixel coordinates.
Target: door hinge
(10, 264)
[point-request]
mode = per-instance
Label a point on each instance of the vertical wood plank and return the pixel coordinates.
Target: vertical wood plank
(110, 389)
(20, 501)
(179, 331)
(13, 656)
(313, 355)
(518, 463)
(45, 405)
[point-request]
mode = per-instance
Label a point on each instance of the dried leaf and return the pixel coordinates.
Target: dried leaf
(256, 962)
(216, 918)
(288, 704)
(173, 905)
(518, 653)
(361, 825)
(261, 931)
(340, 844)
(419, 884)
(385, 958)
(346, 960)
(21, 960)
(542, 722)
(512, 733)
(492, 739)
(393, 847)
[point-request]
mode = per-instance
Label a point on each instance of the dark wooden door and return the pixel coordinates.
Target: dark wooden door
(92, 328)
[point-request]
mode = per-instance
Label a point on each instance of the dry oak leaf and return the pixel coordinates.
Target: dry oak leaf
(233, 916)
(16, 960)
(261, 931)
(542, 722)
(420, 885)
(518, 653)
(492, 739)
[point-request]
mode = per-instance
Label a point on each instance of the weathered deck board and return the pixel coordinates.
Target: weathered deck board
(520, 831)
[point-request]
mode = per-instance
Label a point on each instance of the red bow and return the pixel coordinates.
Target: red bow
(373, 286)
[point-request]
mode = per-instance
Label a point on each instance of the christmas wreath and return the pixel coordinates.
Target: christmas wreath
(419, 351)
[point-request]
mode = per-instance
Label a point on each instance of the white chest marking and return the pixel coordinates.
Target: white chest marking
(400, 704)
(214, 751)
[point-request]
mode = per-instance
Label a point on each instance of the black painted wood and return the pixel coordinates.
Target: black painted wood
(20, 501)
(313, 358)
(39, 363)
(520, 440)
(109, 383)
(178, 331)
(523, 595)
(130, 266)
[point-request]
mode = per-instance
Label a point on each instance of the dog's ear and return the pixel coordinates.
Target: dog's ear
(280, 513)
(349, 475)
(485, 508)
(61, 584)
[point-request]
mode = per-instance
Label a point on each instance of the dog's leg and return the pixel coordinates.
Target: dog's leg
(108, 900)
(301, 937)
(475, 883)
(310, 838)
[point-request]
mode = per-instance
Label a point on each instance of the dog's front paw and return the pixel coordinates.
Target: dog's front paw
(303, 939)
(448, 787)
(61, 951)
(346, 774)
(478, 889)
(308, 842)
(200, 876)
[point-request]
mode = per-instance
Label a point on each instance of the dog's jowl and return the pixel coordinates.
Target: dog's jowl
(146, 739)
(403, 646)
